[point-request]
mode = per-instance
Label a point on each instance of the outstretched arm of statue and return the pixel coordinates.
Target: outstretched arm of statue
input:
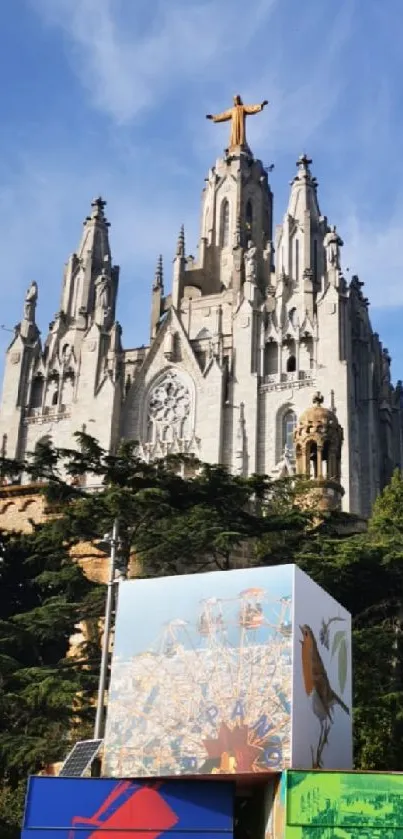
(255, 109)
(224, 117)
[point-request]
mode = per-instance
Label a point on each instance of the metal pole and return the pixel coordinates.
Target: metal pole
(103, 676)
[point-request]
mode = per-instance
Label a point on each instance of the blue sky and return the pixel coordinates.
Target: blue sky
(109, 96)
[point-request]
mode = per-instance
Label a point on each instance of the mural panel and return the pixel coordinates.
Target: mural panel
(343, 805)
(202, 675)
(322, 700)
(86, 808)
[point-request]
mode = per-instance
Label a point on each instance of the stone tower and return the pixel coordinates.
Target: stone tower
(73, 380)
(252, 328)
(318, 441)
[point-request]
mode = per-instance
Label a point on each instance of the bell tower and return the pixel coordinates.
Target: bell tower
(236, 213)
(237, 207)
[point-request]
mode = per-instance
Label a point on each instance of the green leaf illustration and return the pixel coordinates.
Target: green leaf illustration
(338, 638)
(342, 664)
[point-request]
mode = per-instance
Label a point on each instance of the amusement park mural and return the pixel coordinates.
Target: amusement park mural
(205, 668)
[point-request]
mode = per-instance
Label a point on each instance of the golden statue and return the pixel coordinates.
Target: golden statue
(237, 115)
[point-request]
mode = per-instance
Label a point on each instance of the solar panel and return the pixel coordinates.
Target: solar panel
(80, 758)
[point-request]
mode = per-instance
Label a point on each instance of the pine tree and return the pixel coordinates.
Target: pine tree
(177, 515)
(45, 695)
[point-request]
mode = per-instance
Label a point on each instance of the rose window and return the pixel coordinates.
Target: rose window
(169, 404)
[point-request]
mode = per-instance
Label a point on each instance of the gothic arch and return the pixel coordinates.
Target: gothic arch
(169, 407)
(37, 388)
(224, 223)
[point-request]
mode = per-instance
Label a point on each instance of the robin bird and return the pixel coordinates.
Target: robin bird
(316, 679)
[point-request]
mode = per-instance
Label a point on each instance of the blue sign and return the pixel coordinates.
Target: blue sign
(102, 808)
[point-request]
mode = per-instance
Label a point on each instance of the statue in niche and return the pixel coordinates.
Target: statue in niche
(102, 292)
(30, 302)
(251, 263)
(385, 373)
(332, 243)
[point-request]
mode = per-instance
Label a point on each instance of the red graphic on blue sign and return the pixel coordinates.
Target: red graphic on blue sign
(104, 808)
(142, 808)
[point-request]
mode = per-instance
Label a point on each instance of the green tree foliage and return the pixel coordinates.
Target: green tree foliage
(178, 515)
(44, 595)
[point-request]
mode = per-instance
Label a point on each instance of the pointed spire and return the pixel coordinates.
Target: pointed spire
(95, 237)
(92, 259)
(97, 211)
(303, 164)
(180, 247)
(304, 188)
(159, 275)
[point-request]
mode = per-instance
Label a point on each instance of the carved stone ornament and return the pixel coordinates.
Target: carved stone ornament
(15, 357)
(170, 401)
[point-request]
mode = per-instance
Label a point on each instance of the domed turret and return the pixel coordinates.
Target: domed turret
(318, 441)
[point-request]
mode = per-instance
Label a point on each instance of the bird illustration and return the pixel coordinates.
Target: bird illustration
(318, 687)
(316, 680)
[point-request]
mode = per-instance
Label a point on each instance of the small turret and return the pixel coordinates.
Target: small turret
(157, 295)
(318, 441)
(179, 270)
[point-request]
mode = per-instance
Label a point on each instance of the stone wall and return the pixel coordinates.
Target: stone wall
(21, 507)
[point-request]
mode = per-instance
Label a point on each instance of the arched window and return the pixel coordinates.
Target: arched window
(313, 460)
(249, 217)
(296, 260)
(291, 364)
(289, 425)
(225, 224)
(315, 260)
(52, 393)
(37, 392)
(271, 359)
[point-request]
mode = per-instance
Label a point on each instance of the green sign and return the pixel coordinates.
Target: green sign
(337, 805)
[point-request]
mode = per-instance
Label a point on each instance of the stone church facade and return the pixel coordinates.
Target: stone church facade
(252, 328)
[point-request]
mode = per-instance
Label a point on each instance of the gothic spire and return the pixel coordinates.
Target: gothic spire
(159, 275)
(95, 237)
(180, 247)
(91, 260)
(303, 194)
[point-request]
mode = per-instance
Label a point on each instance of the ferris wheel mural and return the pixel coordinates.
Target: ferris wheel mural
(209, 691)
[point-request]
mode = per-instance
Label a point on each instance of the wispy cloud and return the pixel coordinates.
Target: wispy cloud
(303, 84)
(374, 252)
(128, 60)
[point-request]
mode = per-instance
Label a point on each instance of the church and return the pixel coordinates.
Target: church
(261, 355)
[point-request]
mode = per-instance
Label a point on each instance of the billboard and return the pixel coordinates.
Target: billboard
(89, 808)
(208, 674)
(349, 805)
